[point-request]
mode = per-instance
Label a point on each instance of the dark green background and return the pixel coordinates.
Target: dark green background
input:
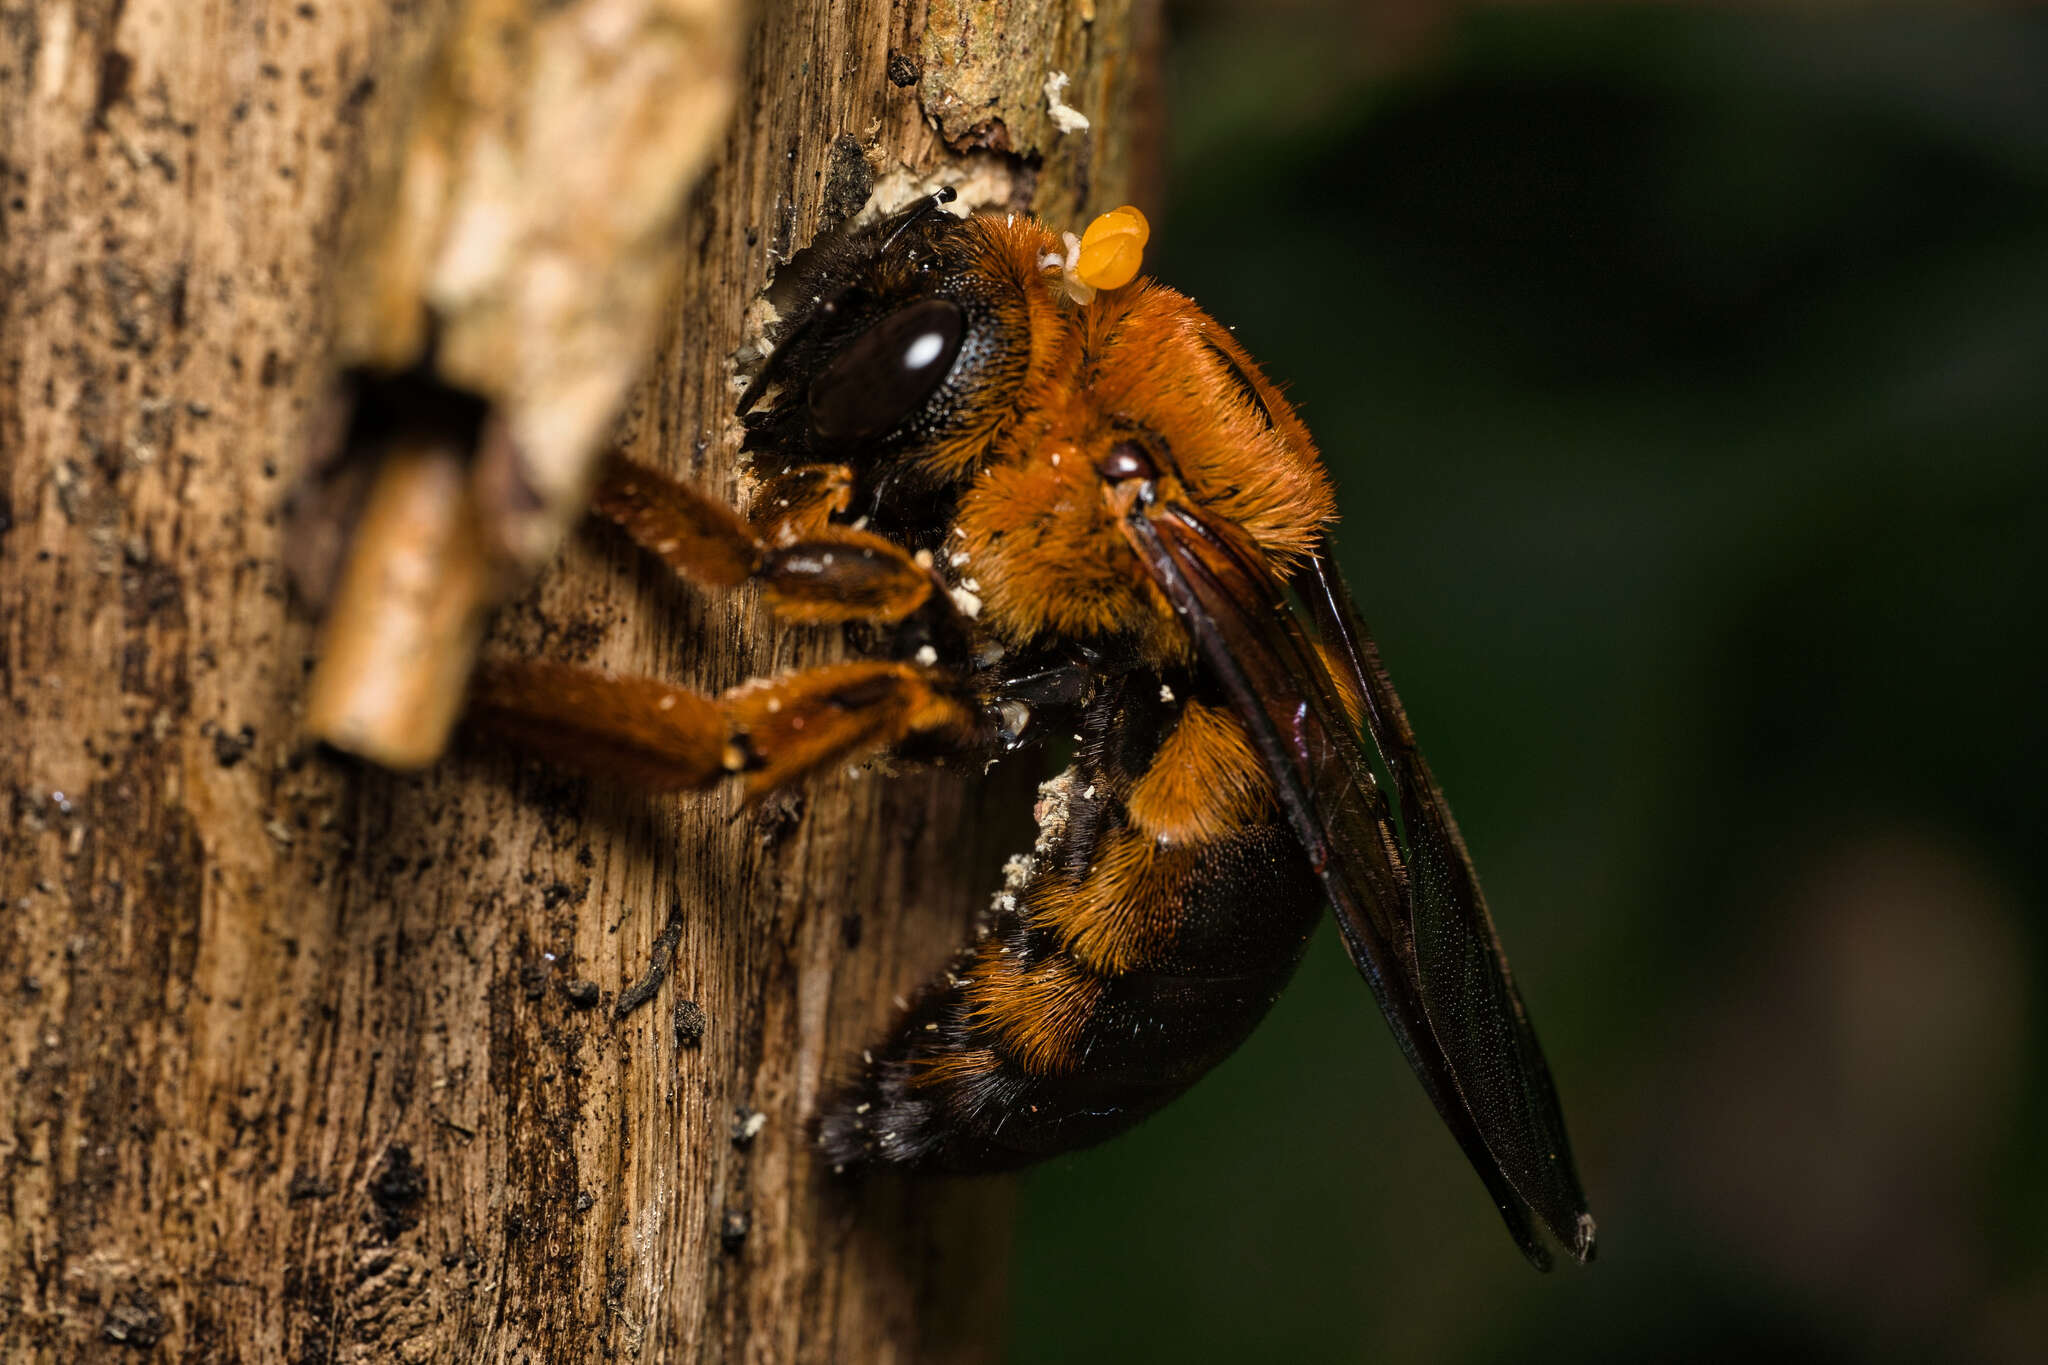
(1686, 379)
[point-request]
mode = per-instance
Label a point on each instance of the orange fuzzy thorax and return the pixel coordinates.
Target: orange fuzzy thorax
(1137, 361)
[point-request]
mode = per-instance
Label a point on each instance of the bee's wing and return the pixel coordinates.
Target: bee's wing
(1404, 892)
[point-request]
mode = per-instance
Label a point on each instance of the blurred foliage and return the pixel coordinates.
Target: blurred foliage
(1686, 378)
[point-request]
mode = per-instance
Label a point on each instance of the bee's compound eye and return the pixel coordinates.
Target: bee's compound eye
(1126, 460)
(887, 372)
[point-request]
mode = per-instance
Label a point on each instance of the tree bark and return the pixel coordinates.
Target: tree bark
(309, 1062)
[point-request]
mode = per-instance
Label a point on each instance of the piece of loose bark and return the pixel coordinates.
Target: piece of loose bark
(514, 240)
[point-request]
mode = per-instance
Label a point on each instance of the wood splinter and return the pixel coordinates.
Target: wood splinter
(408, 611)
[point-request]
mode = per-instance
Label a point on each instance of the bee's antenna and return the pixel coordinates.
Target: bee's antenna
(916, 213)
(772, 366)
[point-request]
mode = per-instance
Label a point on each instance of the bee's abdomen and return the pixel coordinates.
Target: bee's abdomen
(1160, 917)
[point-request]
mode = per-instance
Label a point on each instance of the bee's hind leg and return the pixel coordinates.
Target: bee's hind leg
(768, 732)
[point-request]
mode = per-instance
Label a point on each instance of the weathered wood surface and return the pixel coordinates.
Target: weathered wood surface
(300, 1061)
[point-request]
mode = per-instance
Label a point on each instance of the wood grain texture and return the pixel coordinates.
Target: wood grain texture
(305, 1062)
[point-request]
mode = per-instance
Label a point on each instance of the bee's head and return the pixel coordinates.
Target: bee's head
(948, 359)
(902, 344)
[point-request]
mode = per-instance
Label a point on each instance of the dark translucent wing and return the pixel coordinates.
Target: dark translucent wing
(1452, 1010)
(1467, 988)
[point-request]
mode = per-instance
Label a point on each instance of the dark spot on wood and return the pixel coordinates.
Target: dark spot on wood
(582, 993)
(397, 1188)
(778, 816)
(641, 991)
(116, 69)
(267, 376)
(744, 1127)
(556, 895)
(849, 180)
(904, 69)
(990, 134)
(849, 930)
(689, 1024)
(131, 306)
(174, 294)
(733, 1229)
(533, 980)
(134, 1320)
(230, 749)
(305, 1185)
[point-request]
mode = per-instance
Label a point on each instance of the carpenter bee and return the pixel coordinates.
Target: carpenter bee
(1064, 500)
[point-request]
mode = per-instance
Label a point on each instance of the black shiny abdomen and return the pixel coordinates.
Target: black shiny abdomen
(962, 1097)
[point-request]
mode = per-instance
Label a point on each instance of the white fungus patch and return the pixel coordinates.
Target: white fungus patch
(1068, 267)
(1055, 802)
(1065, 117)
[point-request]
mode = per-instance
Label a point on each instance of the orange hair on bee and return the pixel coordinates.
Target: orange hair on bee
(1004, 252)
(1051, 560)
(1128, 908)
(1228, 434)
(1037, 1013)
(1204, 782)
(1138, 362)
(955, 1068)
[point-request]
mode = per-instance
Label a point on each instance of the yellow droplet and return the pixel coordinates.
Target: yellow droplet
(1113, 248)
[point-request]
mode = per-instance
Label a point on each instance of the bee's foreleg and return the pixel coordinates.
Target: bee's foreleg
(809, 569)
